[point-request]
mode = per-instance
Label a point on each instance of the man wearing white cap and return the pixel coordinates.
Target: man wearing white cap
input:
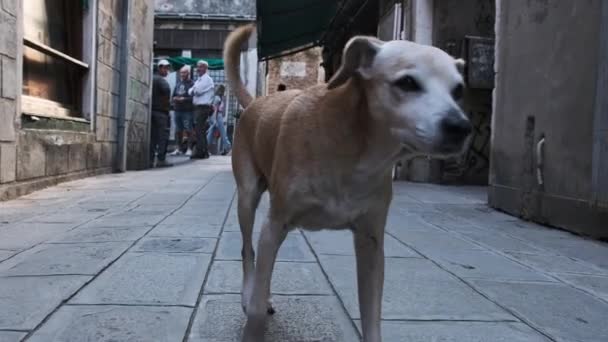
(160, 121)
(203, 92)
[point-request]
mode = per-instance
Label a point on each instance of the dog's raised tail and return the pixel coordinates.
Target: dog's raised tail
(232, 58)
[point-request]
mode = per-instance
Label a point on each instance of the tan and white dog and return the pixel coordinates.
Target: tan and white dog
(325, 156)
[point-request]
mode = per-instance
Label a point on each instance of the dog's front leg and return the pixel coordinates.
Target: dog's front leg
(369, 248)
(272, 236)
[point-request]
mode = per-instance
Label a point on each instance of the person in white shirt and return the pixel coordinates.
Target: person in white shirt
(202, 92)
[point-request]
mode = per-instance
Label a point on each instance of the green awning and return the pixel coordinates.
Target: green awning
(178, 62)
(288, 25)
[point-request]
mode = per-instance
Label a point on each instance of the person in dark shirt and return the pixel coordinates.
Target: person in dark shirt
(160, 120)
(184, 108)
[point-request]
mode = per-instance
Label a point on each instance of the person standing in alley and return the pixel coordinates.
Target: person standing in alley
(217, 121)
(184, 112)
(160, 121)
(202, 92)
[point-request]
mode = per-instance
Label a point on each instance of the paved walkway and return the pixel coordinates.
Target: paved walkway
(154, 256)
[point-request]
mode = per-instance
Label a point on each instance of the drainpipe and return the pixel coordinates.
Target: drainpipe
(540, 161)
(123, 103)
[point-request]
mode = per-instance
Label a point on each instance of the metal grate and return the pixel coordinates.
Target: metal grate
(219, 77)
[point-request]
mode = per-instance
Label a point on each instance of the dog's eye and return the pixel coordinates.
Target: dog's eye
(408, 83)
(458, 92)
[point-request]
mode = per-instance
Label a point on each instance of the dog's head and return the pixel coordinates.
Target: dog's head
(412, 87)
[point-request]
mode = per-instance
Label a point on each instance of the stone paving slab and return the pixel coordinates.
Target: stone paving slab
(458, 332)
(445, 221)
(433, 242)
(289, 278)
(11, 336)
(597, 285)
(26, 235)
(83, 235)
(26, 301)
(340, 242)
(148, 278)
(66, 216)
(201, 230)
(152, 209)
(294, 248)
(178, 219)
(115, 323)
(413, 289)
(432, 193)
(572, 246)
(298, 319)
(397, 221)
(163, 198)
(125, 219)
(558, 264)
(181, 214)
(487, 265)
(503, 243)
(175, 245)
(564, 313)
(59, 259)
(5, 254)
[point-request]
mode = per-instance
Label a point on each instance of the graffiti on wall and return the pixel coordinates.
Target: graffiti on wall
(485, 17)
(474, 165)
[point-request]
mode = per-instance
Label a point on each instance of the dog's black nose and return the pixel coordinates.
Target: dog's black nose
(456, 127)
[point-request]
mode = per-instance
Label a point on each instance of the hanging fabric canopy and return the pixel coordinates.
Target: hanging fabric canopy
(178, 62)
(292, 25)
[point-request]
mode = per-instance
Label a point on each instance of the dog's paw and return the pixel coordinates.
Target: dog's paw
(270, 310)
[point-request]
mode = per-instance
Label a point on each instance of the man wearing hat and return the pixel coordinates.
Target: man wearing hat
(160, 121)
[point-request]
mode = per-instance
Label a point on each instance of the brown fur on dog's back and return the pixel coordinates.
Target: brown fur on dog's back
(295, 134)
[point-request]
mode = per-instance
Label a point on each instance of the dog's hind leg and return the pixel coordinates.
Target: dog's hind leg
(250, 187)
(248, 199)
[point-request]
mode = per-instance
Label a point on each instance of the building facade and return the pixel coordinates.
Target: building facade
(463, 28)
(550, 129)
(198, 30)
(75, 90)
(537, 83)
(298, 71)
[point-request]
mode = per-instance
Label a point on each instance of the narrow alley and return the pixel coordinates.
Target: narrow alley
(154, 256)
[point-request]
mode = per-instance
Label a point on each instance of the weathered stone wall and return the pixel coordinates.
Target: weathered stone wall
(140, 68)
(10, 67)
(8, 96)
(297, 71)
(109, 35)
(547, 70)
(38, 152)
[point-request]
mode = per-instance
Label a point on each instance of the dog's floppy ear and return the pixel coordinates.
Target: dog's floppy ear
(357, 58)
(460, 64)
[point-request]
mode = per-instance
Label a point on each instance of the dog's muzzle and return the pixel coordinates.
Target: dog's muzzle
(455, 129)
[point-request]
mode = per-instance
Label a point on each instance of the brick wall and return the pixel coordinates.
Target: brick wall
(297, 71)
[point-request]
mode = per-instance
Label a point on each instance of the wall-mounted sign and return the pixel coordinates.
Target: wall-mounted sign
(293, 69)
(480, 62)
